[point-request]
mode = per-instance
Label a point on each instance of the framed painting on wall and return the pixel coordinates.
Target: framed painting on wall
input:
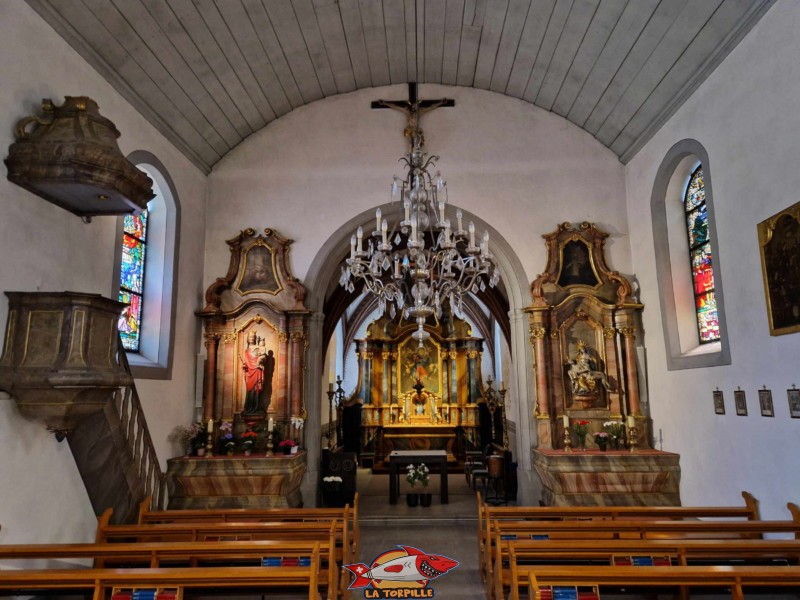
(741, 403)
(719, 402)
(794, 402)
(765, 402)
(779, 241)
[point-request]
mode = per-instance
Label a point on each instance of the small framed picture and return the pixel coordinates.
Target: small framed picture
(740, 402)
(719, 402)
(765, 402)
(794, 403)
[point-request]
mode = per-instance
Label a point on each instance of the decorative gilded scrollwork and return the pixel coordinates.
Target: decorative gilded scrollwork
(283, 337)
(537, 333)
(609, 333)
(628, 332)
(229, 338)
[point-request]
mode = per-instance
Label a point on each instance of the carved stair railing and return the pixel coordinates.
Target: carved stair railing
(134, 429)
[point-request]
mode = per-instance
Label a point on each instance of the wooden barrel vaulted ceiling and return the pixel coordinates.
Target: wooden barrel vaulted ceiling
(208, 73)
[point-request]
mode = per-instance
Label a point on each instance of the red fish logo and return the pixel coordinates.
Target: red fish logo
(408, 567)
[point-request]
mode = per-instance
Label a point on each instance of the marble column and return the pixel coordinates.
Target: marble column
(631, 376)
(210, 376)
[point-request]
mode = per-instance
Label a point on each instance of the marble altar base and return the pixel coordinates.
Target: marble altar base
(236, 481)
(612, 478)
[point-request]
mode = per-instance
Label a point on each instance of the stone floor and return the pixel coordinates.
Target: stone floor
(445, 529)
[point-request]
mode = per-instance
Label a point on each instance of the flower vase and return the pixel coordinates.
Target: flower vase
(247, 452)
(286, 449)
(582, 441)
(425, 499)
(615, 443)
(201, 452)
(412, 499)
(603, 445)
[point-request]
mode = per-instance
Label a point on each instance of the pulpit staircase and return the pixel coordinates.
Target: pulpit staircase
(116, 458)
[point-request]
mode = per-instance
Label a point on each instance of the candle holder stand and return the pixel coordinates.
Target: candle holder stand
(269, 444)
(567, 440)
(210, 443)
(632, 441)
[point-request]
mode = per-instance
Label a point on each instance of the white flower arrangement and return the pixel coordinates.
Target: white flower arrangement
(332, 482)
(417, 474)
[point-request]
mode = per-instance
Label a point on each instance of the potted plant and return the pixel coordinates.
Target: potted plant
(192, 438)
(601, 438)
(412, 498)
(581, 428)
(227, 441)
(287, 445)
(615, 430)
(332, 495)
(248, 440)
(422, 477)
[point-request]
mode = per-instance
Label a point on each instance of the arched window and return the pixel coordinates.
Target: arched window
(132, 278)
(700, 258)
(685, 244)
(146, 274)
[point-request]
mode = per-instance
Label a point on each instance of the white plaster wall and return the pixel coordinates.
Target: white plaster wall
(43, 247)
(520, 169)
(746, 117)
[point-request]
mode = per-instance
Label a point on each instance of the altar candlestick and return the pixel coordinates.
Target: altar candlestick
(271, 425)
(566, 421)
(631, 422)
(211, 426)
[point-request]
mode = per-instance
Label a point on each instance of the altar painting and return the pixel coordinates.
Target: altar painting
(423, 364)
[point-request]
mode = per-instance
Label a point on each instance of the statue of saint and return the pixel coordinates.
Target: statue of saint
(258, 367)
(583, 373)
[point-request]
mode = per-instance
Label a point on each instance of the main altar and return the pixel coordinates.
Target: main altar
(418, 396)
(584, 321)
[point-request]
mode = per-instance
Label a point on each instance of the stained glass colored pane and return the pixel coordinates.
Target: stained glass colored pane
(136, 225)
(702, 272)
(707, 321)
(132, 270)
(130, 322)
(697, 226)
(695, 191)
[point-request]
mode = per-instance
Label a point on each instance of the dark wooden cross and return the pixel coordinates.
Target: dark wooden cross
(414, 108)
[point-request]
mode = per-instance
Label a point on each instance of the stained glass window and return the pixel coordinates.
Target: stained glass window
(701, 258)
(131, 279)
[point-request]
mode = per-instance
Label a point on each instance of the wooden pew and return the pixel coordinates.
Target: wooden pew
(348, 515)
(187, 554)
(516, 559)
(488, 515)
(212, 581)
(321, 531)
(736, 578)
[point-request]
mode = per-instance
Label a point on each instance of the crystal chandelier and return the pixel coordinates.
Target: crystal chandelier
(422, 261)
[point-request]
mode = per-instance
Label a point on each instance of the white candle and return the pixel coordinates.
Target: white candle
(414, 228)
(359, 235)
(271, 425)
(330, 386)
(384, 229)
(211, 426)
(471, 234)
(459, 216)
(378, 220)
(352, 246)
(565, 418)
(407, 208)
(441, 211)
(631, 422)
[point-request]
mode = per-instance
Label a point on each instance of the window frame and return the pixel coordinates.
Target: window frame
(670, 271)
(159, 320)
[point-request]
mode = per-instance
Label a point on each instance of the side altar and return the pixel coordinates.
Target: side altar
(584, 321)
(256, 333)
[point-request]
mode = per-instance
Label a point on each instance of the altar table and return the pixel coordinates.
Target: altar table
(410, 457)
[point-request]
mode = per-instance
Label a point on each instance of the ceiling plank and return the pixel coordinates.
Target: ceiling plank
(269, 41)
(434, 39)
(201, 106)
(356, 45)
(454, 16)
(230, 50)
(286, 27)
(658, 24)
(580, 17)
(554, 29)
(375, 39)
(536, 23)
(605, 20)
(331, 29)
(307, 18)
(248, 43)
(395, 23)
(674, 43)
(189, 53)
(490, 40)
(518, 11)
(472, 26)
(627, 30)
(411, 40)
(705, 52)
(172, 123)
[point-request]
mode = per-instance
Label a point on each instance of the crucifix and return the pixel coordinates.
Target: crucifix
(414, 108)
